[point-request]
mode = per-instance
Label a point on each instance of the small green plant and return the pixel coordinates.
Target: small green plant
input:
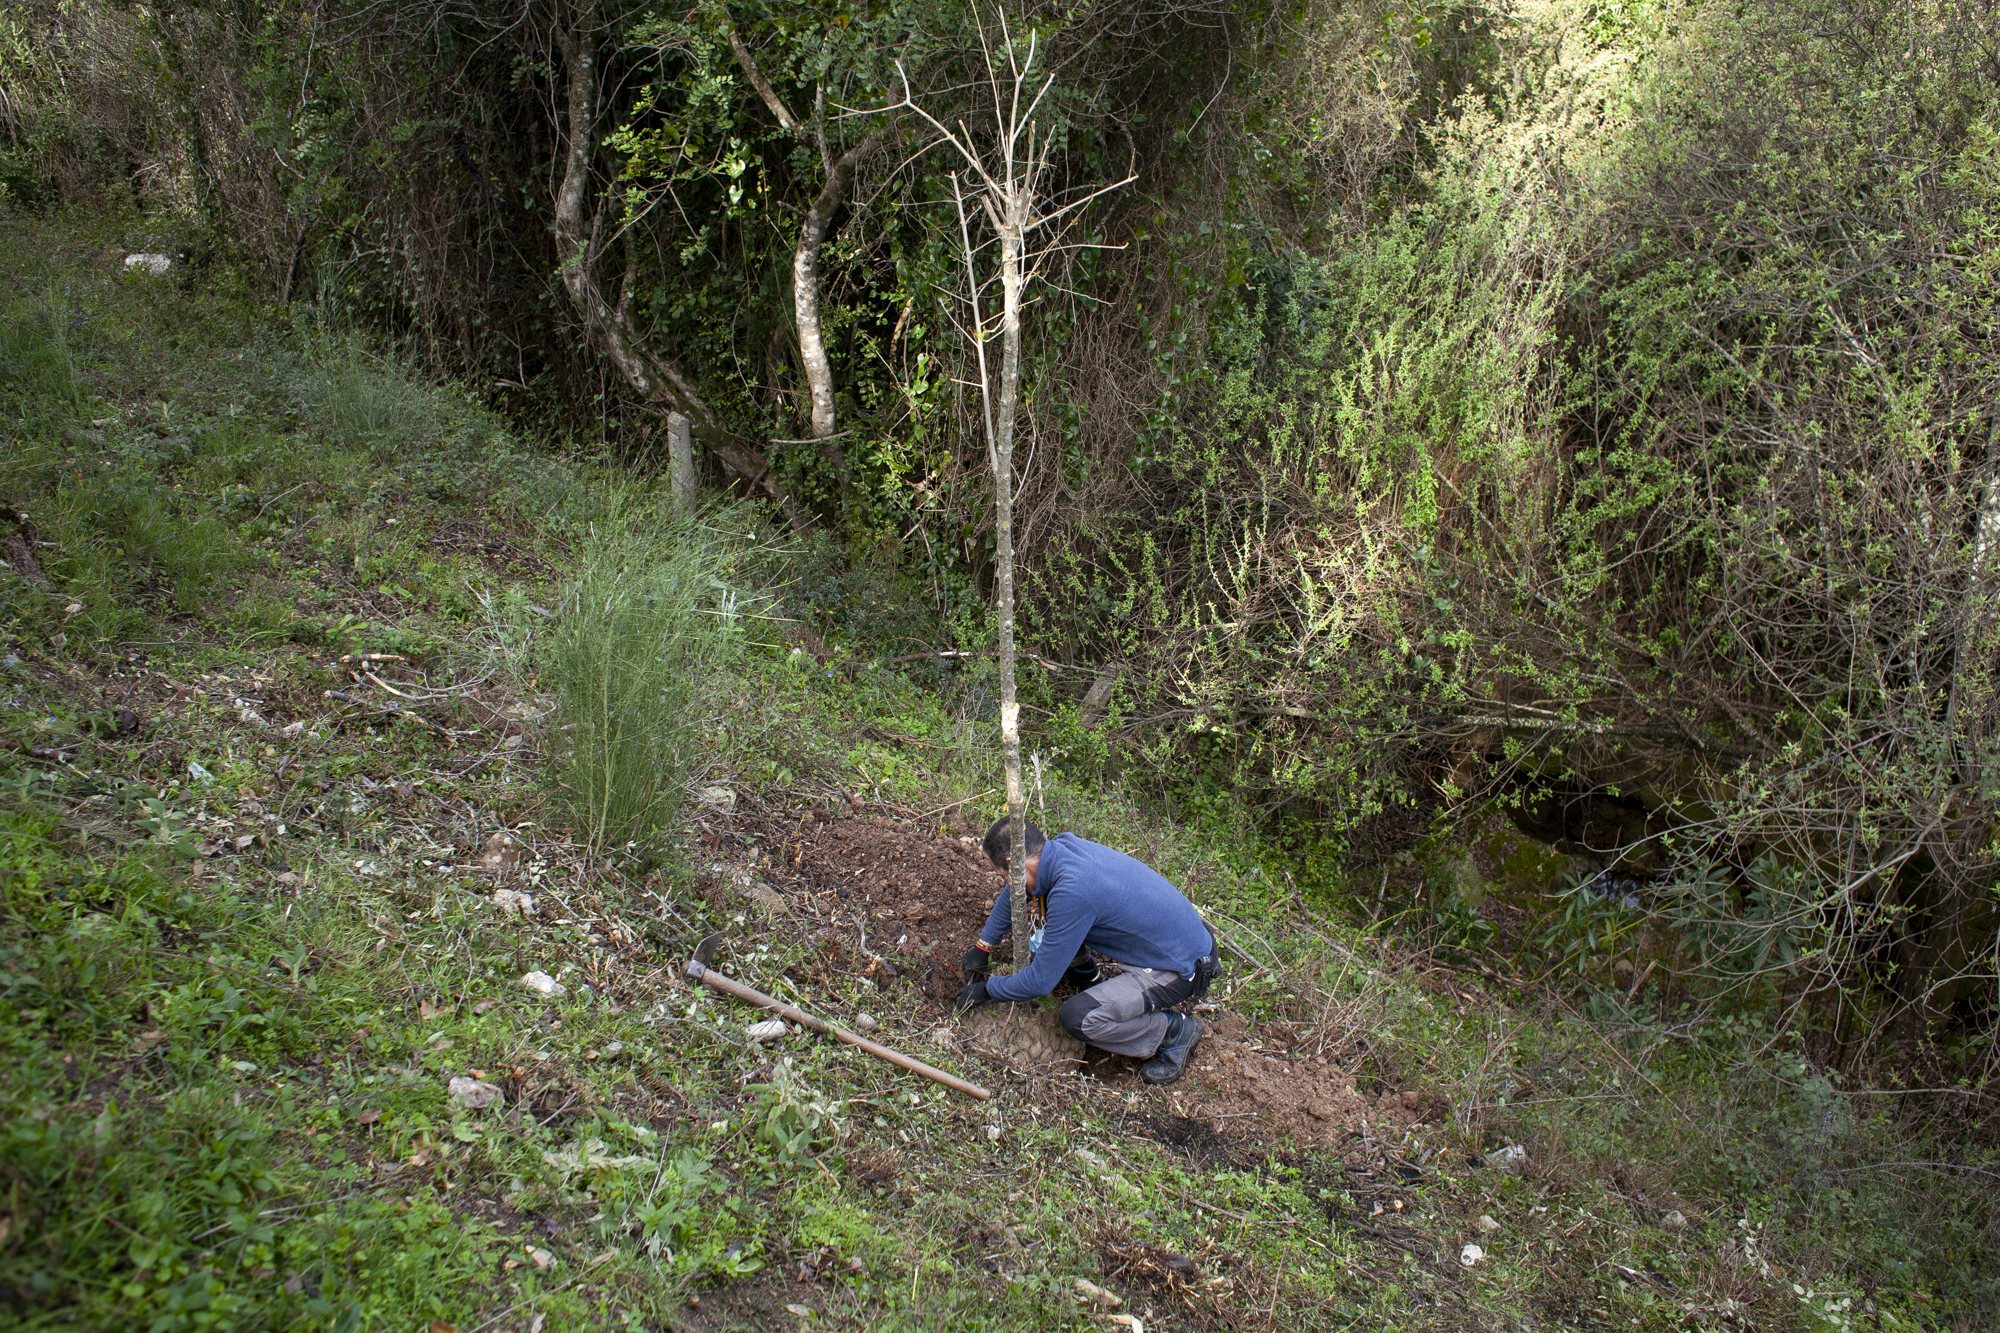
(790, 1116)
(642, 637)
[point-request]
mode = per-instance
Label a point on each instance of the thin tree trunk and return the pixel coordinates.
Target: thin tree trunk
(1974, 619)
(1003, 509)
(805, 256)
(805, 288)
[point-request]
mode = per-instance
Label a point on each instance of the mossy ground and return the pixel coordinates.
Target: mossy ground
(248, 939)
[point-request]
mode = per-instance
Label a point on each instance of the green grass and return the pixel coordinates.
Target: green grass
(225, 1089)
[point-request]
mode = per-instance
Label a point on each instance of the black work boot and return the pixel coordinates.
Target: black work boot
(1184, 1033)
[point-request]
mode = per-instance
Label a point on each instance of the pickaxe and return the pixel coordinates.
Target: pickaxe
(699, 968)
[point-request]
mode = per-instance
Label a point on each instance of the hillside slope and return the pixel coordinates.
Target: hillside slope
(288, 813)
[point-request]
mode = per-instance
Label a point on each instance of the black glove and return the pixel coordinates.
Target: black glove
(976, 964)
(971, 996)
(1083, 972)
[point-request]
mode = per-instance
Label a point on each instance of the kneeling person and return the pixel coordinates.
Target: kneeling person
(1092, 898)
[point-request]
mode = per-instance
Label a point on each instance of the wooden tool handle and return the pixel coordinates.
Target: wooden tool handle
(716, 981)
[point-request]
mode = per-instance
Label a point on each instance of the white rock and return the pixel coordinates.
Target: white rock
(1471, 1255)
(541, 983)
(865, 1023)
(1512, 1159)
(769, 1030)
(614, 1050)
(475, 1095)
(1675, 1221)
(1131, 1321)
(541, 1258)
(510, 902)
(151, 263)
(993, 1133)
(718, 798)
(1486, 1223)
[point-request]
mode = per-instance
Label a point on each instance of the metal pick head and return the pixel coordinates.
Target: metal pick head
(704, 954)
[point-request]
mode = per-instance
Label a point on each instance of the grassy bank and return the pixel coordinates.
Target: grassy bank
(251, 936)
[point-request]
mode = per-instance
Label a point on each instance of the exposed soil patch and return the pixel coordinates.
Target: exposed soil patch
(917, 900)
(1246, 1085)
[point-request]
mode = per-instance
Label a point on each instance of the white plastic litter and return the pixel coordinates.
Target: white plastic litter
(152, 263)
(1471, 1255)
(1512, 1159)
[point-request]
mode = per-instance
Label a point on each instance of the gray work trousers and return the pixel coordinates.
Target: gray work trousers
(1126, 1015)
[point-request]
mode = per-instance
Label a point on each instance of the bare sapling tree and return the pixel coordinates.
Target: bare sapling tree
(837, 181)
(1009, 226)
(585, 234)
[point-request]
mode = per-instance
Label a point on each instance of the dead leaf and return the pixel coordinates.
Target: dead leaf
(369, 1116)
(439, 1326)
(426, 1010)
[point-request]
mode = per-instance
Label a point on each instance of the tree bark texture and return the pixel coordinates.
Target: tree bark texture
(812, 236)
(805, 287)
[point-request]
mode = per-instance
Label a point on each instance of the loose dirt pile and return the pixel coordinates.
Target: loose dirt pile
(879, 887)
(1250, 1089)
(876, 890)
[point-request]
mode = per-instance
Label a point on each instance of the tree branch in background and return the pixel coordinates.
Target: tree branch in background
(812, 235)
(652, 376)
(805, 285)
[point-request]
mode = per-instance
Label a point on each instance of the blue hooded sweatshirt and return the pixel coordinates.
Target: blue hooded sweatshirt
(1104, 900)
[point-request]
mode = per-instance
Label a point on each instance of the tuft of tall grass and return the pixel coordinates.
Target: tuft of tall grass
(643, 644)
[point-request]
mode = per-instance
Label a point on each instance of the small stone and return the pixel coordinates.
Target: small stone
(1471, 1255)
(717, 798)
(769, 1030)
(541, 983)
(1511, 1160)
(1486, 1223)
(510, 902)
(474, 1094)
(614, 1050)
(148, 263)
(993, 1133)
(1675, 1221)
(1131, 1321)
(540, 1258)
(865, 1023)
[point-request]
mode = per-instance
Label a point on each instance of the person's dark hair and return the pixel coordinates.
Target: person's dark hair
(999, 842)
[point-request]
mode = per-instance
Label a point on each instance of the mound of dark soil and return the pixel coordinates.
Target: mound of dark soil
(914, 898)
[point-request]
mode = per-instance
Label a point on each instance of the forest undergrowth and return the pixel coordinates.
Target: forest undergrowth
(328, 722)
